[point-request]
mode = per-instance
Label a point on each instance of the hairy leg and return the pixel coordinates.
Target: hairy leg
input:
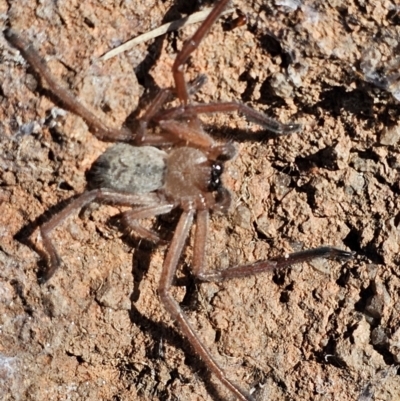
(100, 195)
(189, 47)
(173, 308)
(250, 269)
(252, 115)
(131, 217)
(66, 97)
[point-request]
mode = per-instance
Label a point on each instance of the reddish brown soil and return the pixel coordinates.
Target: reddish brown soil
(322, 331)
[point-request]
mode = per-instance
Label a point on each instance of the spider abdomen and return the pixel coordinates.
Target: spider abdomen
(128, 168)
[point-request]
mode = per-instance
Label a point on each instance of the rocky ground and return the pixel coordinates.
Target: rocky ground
(328, 330)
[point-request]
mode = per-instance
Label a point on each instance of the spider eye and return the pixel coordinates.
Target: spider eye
(215, 181)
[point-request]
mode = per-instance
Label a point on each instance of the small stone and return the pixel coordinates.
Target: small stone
(390, 136)
(378, 336)
(375, 306)
(242, 217)
(281, 85)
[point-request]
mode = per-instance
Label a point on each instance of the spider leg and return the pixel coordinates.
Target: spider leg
(101, 195)
(250, 269)
(227, 107)
(98, 128)
(141, 137)
(188, 134)
(66, 98)
(173, 308)
(130, 218)
(189, 47)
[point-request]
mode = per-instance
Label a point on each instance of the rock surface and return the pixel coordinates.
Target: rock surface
(322, 331)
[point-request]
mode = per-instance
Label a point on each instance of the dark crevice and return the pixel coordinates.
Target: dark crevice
(190, 300)
(78, 358)
(368, 154)
(397, 220)
(309, 190)
(218, 335)
(328, 355)
(343, 280)
(65, 186)
(365, 295)
(251, 83)
(19, 290)
(88, 22)
(279, 277)
(284, 298)
(386, 355)
(271, 45)
(57, 135)
(174, 374)
(352, 240)
(325, 158)
(358, 102)
(52, 157)
(105, 107)
(267, 96)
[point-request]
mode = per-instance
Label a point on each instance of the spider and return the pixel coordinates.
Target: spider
(180, 168)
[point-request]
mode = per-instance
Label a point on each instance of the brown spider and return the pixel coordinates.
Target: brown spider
(185, 173)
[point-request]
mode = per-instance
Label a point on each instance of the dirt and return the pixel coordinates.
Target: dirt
(328, 330)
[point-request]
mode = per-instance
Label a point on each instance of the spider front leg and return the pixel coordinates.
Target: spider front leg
(66, 98)
(250, 269)
(189, 47)
(155, 109)
(252, 115)
(173, 308)
(96, 126)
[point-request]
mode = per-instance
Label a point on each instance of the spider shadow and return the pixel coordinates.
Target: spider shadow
(144, 251)
(25, 233)
(158, 331)
(241, 135)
